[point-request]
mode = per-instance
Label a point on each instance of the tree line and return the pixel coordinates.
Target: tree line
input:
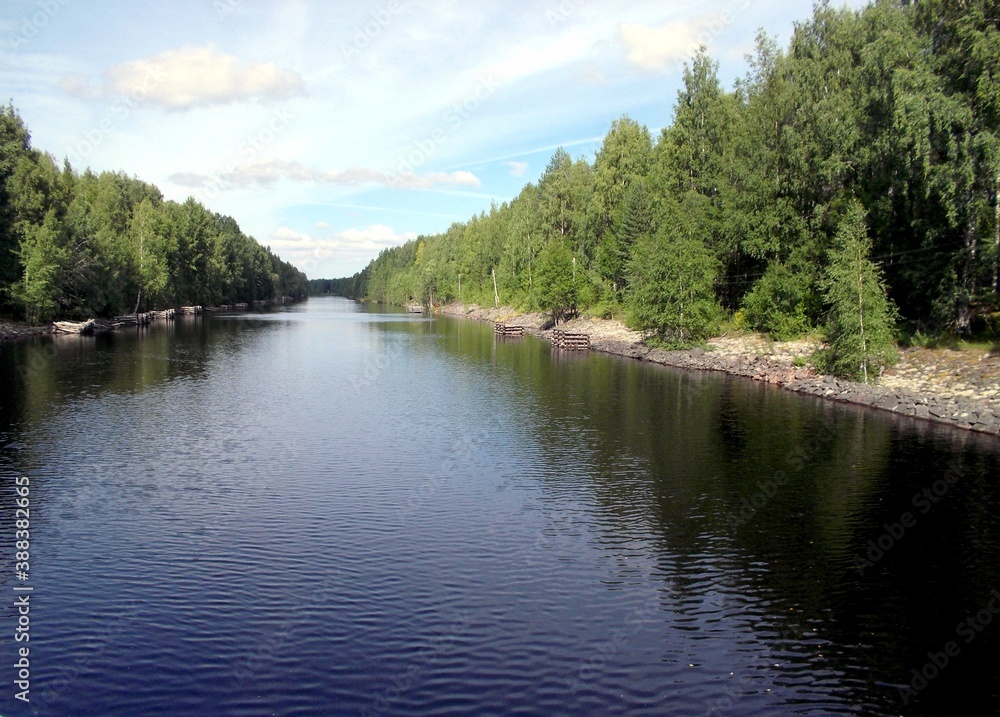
(78, 245)
(848, 181)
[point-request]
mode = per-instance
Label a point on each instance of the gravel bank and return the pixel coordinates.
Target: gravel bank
(959, 388)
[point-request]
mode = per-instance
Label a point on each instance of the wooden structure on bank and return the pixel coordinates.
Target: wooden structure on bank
(190, 309)
(91, 326)
(140, 319)
(74, 327)
(505, 331)
(571, 341)
(415, 309)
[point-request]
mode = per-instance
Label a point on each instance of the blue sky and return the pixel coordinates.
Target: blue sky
(331, 130)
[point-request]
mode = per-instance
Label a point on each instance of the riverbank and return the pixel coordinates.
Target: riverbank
(958, 388)
(11, 330)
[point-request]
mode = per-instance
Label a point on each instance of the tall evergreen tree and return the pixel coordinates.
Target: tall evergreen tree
(862, 318)
(672, 284)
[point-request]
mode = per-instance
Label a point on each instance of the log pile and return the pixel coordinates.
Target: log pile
(190, 309)
(74, 327)
(140, 319)
(508, 331)
(571, 341)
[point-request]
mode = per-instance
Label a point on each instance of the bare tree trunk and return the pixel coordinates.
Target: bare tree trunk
(861, 318)
(963, 319)
(996, 235)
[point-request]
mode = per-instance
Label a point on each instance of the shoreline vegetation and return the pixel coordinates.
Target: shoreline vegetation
(76, 246)
(846, 187)
(958, 388)
(14, 330)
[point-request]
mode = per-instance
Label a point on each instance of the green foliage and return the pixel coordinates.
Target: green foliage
(862, 318)
(895, 106)
(558, 284)
(75, 246)
(42, 260)
(777, 303)
(672, 289)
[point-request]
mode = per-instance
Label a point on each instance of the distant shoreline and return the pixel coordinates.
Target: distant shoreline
(774, 363)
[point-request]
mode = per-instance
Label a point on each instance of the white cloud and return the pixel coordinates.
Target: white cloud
(667, 46)
(191, 77)
(590, 74)
(266, 173)
(322, 225)
(352, 247)
(376, 236)
(517, 169)
(284, 234)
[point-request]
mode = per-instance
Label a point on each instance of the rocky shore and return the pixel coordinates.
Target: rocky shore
(959, 388)
(10, 330)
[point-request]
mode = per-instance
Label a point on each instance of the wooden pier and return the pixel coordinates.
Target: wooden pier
(505, 331)
(570, 341)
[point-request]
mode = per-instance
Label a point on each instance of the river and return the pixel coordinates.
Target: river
(340, 509)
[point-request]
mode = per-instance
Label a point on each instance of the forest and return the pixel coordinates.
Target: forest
(79, 245)
(847, 183)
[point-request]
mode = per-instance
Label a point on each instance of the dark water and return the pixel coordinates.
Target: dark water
(332, 511)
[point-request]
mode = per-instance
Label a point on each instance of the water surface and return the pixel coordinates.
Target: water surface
(334, 510)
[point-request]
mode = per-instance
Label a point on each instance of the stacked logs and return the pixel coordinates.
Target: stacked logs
(140, 319)
(505, 331)
(571, 341)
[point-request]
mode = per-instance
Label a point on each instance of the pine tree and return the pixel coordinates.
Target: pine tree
(862, 318)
